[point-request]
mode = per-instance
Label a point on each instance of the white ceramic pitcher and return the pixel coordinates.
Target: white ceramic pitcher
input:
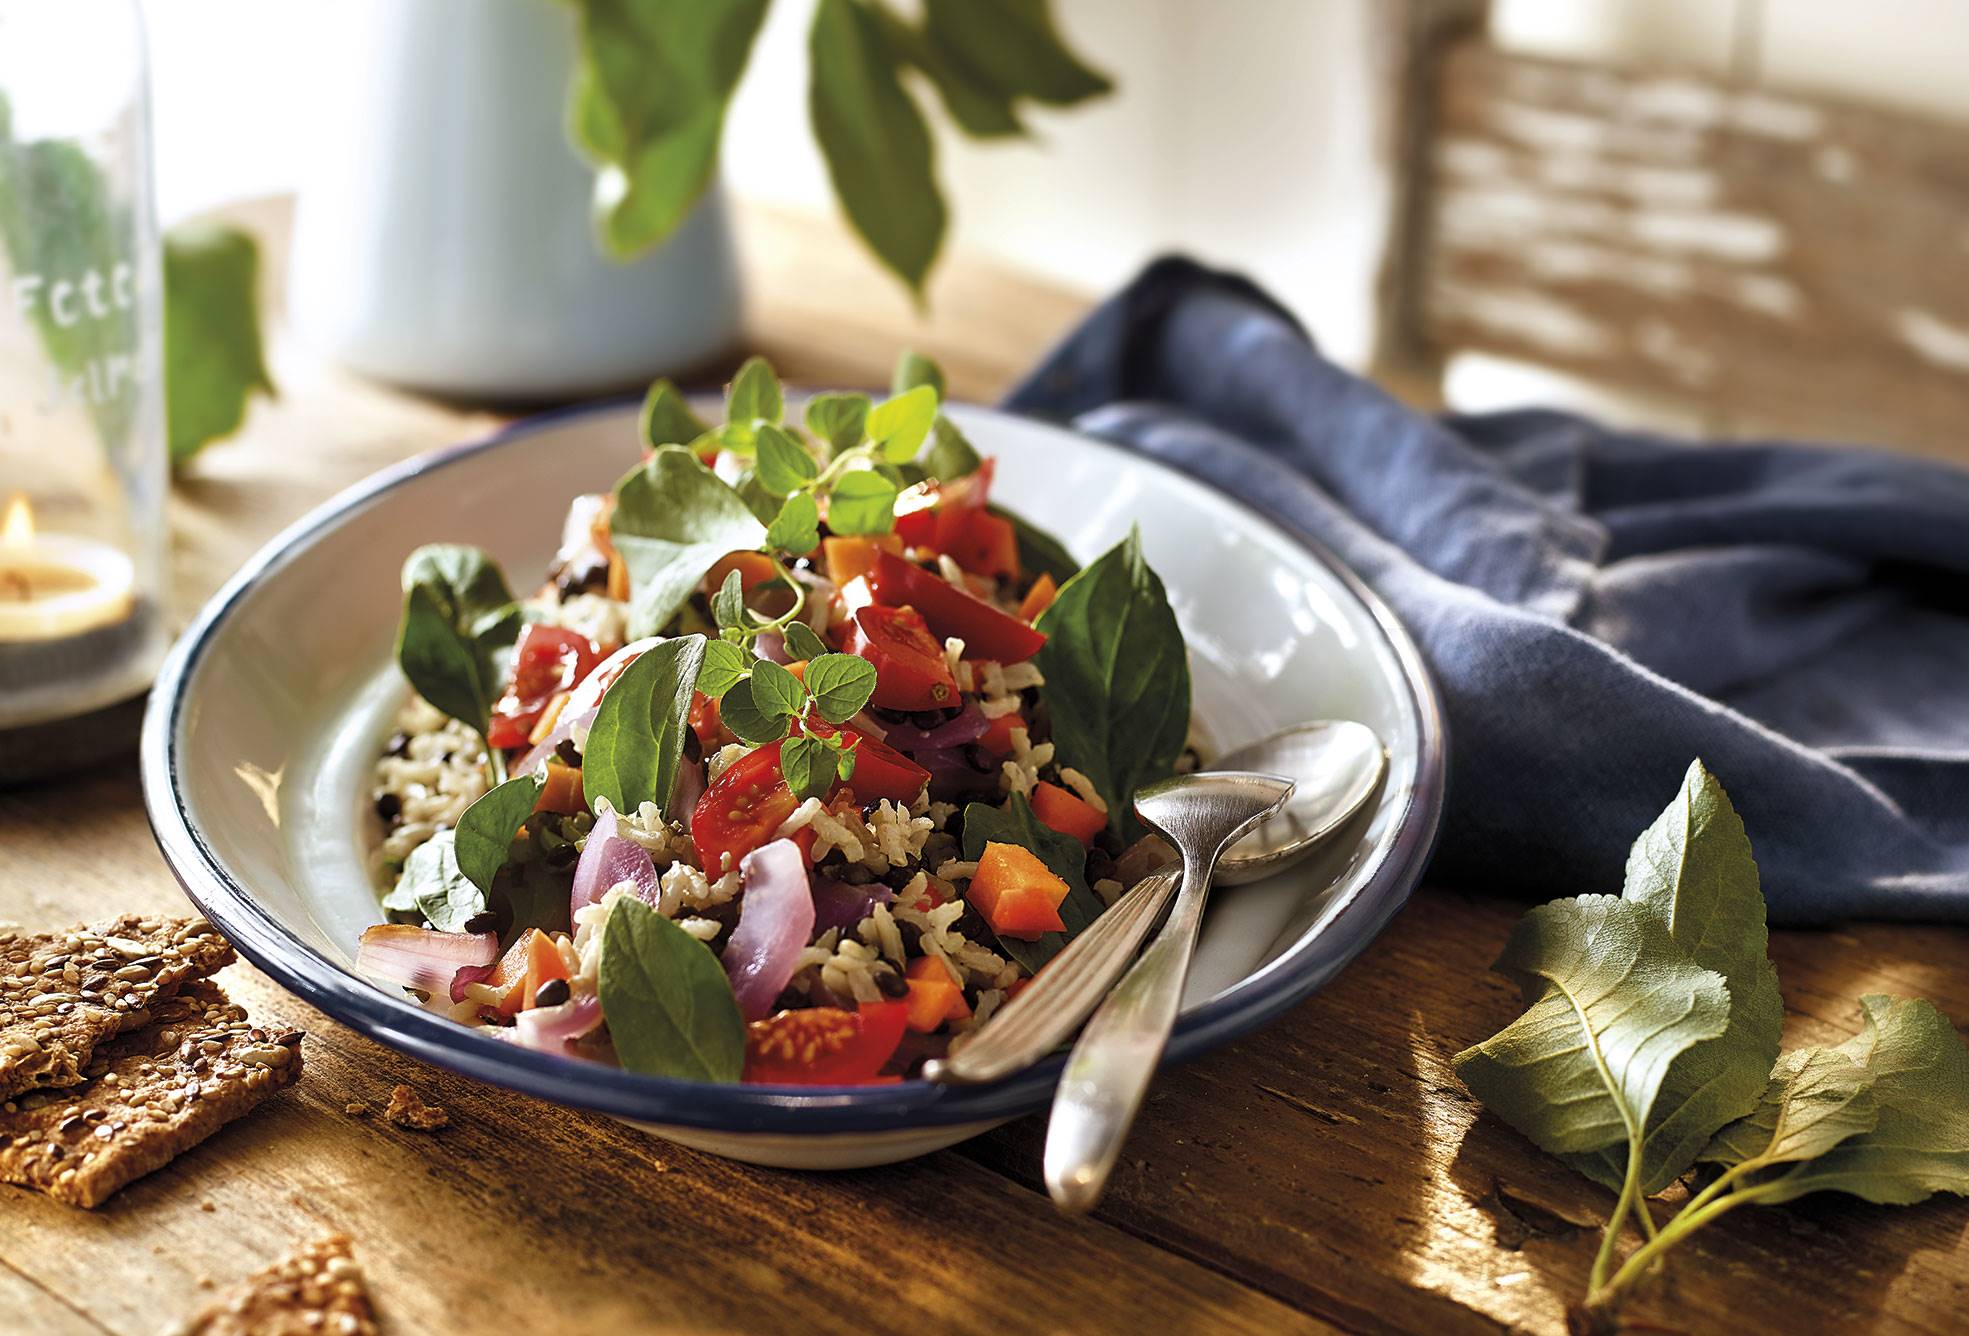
(444, 239)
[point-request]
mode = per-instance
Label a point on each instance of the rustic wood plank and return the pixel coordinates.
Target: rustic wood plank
(1335, 1161)
(1785, 261)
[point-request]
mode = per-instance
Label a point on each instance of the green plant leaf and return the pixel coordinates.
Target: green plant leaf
(899, 425)
(808, 766)
(875, 141)
(486, 828)
(673, 520)
(1918, 1069)
(725, 664)
(1613, 1003)
(1117, 678)
(739, 711)
(980, 109)
(840, 684)
(777, 692)
(433, 885)
(1693, 870)
(1063, 856)
(949, 455)
(862, 501)
(667, 418)
(667, 1000)
(914, 369)
(1013, 46)
(838, 420)
(783, 465)
(1815, 1099)
(457, 616)
(636, 743)
(1039, 552)
(213, 361)
(728, 604)
(802, 643)
(796, 528)
(755, 395)
(652, 82)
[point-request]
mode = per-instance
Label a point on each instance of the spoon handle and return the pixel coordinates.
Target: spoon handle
(1112, 1064)
(1051, 1007)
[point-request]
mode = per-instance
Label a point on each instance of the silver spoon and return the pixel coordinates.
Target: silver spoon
(1334, 765)
(1116, 1056)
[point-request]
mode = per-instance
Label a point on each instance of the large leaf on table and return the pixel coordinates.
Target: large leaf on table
(1815, 1099)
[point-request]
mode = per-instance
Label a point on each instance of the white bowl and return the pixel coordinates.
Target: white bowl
(270, 711)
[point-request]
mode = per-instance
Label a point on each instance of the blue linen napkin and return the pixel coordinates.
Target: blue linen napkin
(1599, 607)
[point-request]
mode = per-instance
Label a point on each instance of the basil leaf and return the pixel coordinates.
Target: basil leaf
(863, 501)
(650, 90)
(802, 643)
(724, 665)
(1616, 1002)
(755, 394)
(1117, 678)
(784, 465)
(1693, 870)
(739, 712)
(899, 426)
(457, 615)
(1063, 856)
(838, 419)
(1012, 46)
(673, 520)
(667, 1000)
(636, 744)
(913, 369)
(808, 766)
(840, 685)
(436, 887)
(728, 604)
(667, 419)
(796, 529)
(1039, 552)
(875, 141)
(776, 691)
(486, 828)
(213, 361)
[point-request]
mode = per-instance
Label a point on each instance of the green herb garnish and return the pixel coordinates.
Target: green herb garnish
(635, 747)
(667, 1000)
(458, 617)
(433, 886)
(486, 830)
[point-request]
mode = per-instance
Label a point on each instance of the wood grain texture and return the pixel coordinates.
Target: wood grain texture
(1794, 265)
(1326, 1171)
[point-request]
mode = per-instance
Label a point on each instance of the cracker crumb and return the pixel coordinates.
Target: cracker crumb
(207, 1205)
(315, 1289)
(198, 1066)
(356, 1109)
(408, 1109)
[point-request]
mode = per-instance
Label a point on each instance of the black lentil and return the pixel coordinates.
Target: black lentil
(552, 993)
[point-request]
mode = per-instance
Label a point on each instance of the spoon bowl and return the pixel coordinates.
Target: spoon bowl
(1335, 766)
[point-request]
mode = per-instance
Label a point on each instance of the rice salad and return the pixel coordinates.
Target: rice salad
(800, 761)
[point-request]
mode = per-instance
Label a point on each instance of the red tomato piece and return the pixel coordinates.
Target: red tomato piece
(910, 670)
(986, 632)
(742, 810)
(547, 660)
(997, 739)
(880, 770)
(985, 544)
(824, 1045)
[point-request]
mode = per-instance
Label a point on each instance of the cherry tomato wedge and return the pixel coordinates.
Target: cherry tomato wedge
(986, 632)
(880, 770)
(985, 544)
(547, 660)
(824, 1045)
(741, 811)
(910, 670)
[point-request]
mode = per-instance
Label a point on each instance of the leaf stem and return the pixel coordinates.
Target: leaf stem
(1685, 1223)
(1630, 1190)
(1723, 1182)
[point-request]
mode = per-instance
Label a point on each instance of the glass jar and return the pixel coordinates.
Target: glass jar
(82, 451)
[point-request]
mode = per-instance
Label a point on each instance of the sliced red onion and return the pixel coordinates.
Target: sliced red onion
(582, 702)
(966, 728)
(690, 787)
(551, 1029)
(608, 859)
(468, 976)
(423, 958)
(839, 905)
(953, 776)
(772, 645)
(865, 724)
(775, 923)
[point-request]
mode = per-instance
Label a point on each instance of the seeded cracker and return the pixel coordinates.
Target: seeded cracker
(150, 1096)
(63, 993)
(316, 1290)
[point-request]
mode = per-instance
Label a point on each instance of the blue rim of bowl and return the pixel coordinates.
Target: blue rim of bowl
(819, 1110)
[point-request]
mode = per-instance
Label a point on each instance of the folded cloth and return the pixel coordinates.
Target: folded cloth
(1598, 607)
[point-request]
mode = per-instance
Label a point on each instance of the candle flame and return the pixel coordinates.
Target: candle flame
(17, 528)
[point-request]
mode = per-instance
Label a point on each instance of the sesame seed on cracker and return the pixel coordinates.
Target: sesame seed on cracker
(316, 1290)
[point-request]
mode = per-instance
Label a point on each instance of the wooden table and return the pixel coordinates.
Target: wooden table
(1329, 1171)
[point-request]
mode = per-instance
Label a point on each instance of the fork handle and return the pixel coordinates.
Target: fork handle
(1104, 1082)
